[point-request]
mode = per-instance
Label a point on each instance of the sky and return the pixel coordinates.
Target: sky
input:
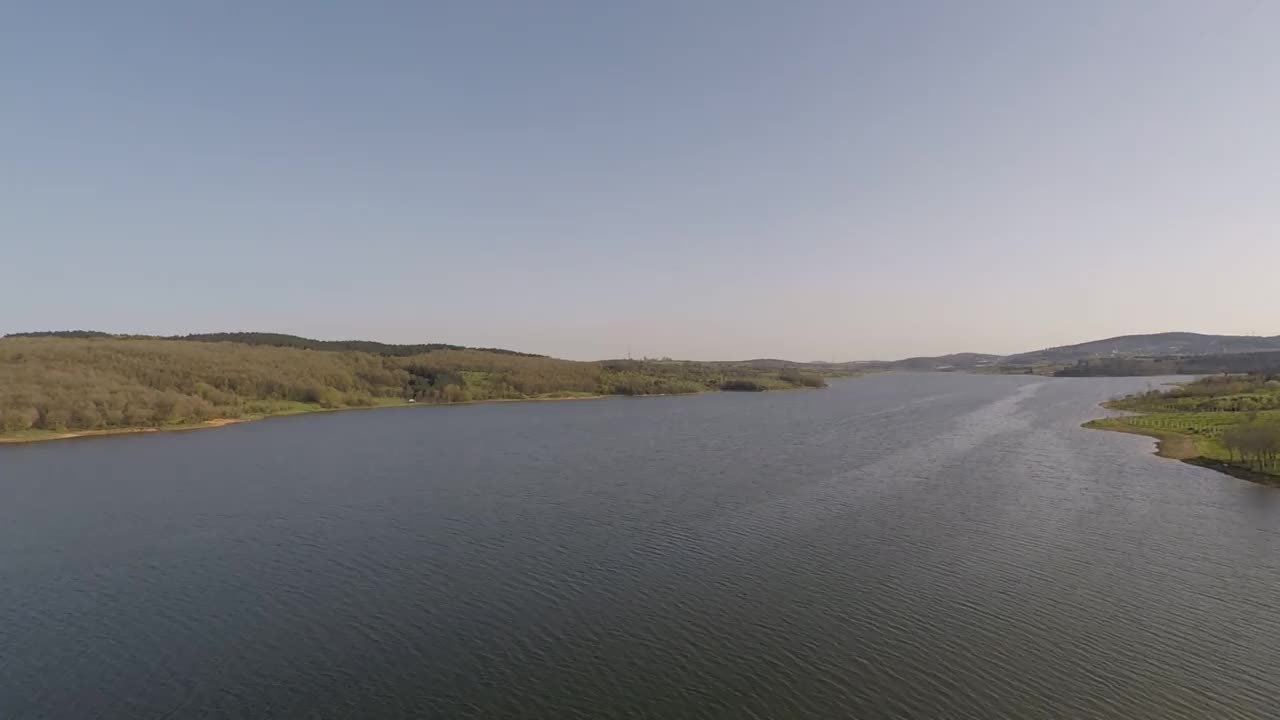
(708, 179)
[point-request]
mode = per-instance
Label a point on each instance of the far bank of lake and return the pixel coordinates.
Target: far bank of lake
(32, 436)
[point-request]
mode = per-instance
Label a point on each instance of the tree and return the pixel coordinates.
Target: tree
(1257, 443)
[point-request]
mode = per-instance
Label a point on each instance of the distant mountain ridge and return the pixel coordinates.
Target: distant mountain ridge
(1168, 344)
(953, 361)
(1165, 346)
(1153, 345)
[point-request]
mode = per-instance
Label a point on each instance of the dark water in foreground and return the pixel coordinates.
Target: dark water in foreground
(928, 546)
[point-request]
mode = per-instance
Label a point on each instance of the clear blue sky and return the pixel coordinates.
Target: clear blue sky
(722, 179)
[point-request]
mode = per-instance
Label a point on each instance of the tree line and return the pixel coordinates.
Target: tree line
(1256, 443)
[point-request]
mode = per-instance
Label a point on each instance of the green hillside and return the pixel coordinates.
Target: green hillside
(95, 382)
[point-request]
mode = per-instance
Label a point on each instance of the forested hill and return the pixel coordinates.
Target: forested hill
(88, 382)
(282, 340)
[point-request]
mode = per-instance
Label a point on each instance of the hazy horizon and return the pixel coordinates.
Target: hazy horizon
(631, 352)
(710, 181)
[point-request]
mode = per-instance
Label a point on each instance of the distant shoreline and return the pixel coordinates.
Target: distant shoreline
(35, 436)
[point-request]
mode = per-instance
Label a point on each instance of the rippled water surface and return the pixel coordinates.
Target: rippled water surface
(897, 546)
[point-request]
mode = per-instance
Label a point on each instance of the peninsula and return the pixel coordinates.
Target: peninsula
(1230, 423)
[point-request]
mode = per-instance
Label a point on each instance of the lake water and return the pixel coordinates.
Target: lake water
(897, 546)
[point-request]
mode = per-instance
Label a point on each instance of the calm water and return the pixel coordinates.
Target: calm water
(904, 546)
